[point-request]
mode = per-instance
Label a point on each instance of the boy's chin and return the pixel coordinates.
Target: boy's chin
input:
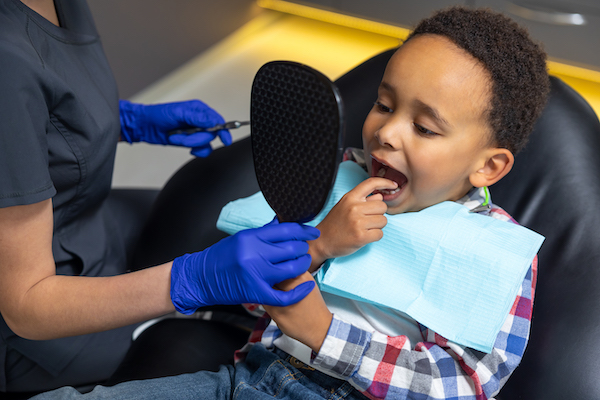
(394, 209)
(403, 207)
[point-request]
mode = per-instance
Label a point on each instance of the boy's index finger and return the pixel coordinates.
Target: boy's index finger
(368, 186)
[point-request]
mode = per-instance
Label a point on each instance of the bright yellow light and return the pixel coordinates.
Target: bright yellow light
(335, 18)
(575, 72)
(585, 81)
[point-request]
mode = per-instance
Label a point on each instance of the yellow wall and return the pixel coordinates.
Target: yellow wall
(585, 81)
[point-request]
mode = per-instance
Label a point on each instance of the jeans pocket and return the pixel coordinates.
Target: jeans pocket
(275, 379)
(277, 375)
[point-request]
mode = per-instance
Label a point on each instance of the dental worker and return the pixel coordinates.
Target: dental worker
(67, 307)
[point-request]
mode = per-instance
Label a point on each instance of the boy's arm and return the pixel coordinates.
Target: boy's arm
(306, 321)
(356, 220)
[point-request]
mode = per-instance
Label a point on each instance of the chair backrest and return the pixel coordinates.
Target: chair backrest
(554, 189)
(184, 215)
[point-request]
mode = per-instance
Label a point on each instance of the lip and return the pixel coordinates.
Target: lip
(391, 174)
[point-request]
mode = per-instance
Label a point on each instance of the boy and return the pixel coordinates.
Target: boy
(451, 111)
(457, 100)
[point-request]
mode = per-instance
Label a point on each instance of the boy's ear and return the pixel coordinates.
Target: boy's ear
(497, 162)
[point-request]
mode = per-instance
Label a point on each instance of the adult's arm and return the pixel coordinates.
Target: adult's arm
(38, 304)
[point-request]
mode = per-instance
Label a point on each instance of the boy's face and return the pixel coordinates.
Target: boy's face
(427, 131)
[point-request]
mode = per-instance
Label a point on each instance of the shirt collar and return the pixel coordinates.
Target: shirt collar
(478, 200)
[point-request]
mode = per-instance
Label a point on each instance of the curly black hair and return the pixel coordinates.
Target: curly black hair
(516, 64)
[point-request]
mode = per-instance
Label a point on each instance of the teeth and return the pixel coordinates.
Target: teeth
(381, 173)
(388, 191)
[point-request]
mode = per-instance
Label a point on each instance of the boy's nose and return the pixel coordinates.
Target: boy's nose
(389, 135)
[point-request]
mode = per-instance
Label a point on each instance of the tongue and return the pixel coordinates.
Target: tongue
(395, 176)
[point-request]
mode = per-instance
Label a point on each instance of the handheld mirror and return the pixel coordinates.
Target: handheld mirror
(297, 133)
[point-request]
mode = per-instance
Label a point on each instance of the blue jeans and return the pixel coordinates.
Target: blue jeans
(264, 375)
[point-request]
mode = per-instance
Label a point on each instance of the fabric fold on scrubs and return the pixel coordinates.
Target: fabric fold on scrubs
(456, 272)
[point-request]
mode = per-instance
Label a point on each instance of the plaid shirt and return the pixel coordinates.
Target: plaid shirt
(386, 367)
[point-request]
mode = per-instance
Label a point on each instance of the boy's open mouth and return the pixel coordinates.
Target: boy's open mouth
(381, 170)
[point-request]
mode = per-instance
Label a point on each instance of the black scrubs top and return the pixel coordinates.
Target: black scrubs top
(59, 127)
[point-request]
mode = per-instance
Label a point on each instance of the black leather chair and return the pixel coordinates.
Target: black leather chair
(553, 189)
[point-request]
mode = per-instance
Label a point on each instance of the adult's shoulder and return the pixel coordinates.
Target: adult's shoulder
(21, 67)
(22, 94)
(17, 54)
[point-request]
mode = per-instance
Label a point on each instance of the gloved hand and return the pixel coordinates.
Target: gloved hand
(151, 124)
(243, 268)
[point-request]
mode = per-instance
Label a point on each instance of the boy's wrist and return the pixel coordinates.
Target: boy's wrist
(316, 252)
(319, 333)
(308, 320)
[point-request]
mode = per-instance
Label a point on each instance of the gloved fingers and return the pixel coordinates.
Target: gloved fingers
(281, 252)
(274, 221)
(287, 231)
(202, 152)
(197, 113)
(198, 139)
(286, 269)
(185, 294)
(225, 137)
(282, 299)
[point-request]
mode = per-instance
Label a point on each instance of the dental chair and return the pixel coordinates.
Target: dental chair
(554, 189)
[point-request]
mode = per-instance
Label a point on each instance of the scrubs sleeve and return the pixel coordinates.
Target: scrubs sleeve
(24, 172)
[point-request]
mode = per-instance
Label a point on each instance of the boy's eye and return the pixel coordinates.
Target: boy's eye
(382, 108)
(424, 131)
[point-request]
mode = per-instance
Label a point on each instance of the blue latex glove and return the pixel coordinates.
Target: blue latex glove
(243, 268)
(151, 124)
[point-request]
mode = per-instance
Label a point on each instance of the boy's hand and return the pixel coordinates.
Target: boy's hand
(356, 220)
(306, 321)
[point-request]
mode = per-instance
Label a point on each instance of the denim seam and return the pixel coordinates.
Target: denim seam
(289, 376)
